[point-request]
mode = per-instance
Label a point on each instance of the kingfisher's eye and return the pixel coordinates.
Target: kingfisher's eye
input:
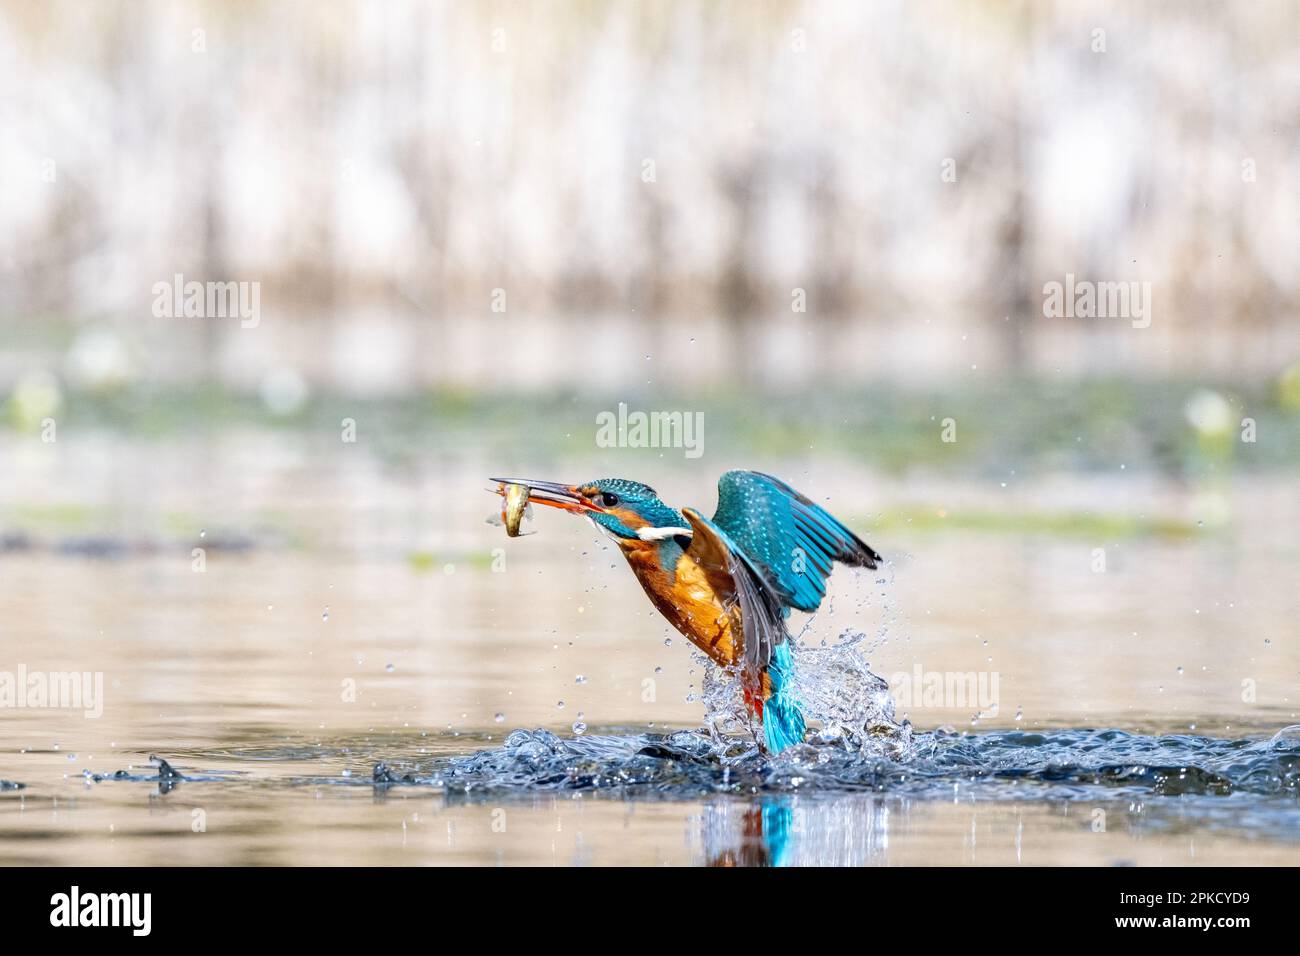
(608, 500)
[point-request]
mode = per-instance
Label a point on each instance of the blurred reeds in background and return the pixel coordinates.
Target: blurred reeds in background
(638, 182)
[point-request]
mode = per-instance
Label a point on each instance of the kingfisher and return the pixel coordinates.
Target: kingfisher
(728, 583)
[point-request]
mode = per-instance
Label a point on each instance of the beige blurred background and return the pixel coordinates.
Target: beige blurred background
(636, 174)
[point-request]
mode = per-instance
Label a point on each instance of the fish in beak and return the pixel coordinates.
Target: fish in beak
(520, 492)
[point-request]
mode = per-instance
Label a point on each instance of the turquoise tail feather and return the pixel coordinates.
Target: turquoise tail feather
(783, 724)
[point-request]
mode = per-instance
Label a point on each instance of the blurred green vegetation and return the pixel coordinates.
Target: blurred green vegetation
(1061, 524)
(1188, 432)
(1016, 427)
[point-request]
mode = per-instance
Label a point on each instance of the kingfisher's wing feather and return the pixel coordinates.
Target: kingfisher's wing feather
(791, 540)
(736, 578)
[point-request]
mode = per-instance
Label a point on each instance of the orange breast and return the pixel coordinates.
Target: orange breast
(688, 602)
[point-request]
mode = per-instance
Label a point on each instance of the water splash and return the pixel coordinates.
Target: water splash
(1074, 764)
(841, 698)
(837, 689)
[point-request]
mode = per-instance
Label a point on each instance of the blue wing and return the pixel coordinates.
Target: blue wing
(739, 581)
(792, 541)
(736, 579)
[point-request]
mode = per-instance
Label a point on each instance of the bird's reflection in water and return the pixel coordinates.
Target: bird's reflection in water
(850, 830)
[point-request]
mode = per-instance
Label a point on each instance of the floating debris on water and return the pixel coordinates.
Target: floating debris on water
(165, 771)
(383, 774)
(167, 777)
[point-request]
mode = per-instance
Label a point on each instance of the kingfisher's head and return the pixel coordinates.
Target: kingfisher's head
(627, 510)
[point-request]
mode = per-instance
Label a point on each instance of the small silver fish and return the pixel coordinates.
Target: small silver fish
(514, 502)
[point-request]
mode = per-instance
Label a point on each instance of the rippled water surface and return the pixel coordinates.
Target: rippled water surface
(683, 797)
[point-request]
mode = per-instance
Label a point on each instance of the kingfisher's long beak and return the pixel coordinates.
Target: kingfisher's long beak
(550, 493)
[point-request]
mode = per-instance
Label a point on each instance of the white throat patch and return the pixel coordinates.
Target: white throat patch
(658, 534)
